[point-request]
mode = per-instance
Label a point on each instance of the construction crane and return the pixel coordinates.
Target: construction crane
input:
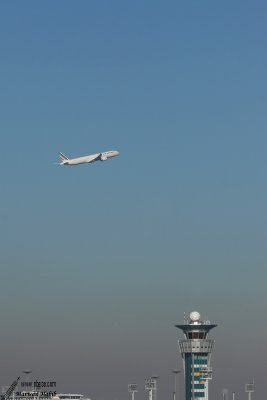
(10, 390)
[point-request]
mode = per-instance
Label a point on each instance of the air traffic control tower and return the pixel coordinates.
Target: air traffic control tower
(196, 353)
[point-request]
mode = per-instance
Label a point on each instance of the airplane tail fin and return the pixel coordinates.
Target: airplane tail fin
(62, 158)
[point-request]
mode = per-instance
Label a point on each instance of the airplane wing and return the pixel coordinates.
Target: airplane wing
(93, 157)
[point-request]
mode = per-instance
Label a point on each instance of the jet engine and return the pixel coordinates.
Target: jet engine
(103, 157)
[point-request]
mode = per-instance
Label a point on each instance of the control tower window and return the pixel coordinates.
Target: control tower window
(197, 335)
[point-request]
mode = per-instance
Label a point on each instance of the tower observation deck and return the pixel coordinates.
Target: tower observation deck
(196, 351)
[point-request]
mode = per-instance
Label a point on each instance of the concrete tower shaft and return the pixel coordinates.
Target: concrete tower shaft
(196, 351)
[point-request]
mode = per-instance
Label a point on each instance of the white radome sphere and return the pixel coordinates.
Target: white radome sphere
(195, 316)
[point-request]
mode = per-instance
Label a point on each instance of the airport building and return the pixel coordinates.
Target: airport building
(196, 351)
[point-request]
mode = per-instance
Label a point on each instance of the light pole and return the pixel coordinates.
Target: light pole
(132, 388)
(225, 394)
(176, 372)
(28, 384)
(150, 385)
(249, 388)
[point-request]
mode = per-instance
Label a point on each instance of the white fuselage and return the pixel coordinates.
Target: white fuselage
(91, 158)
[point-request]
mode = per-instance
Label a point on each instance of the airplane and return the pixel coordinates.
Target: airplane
(64, 160)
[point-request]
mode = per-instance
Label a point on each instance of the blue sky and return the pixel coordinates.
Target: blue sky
(99, 262)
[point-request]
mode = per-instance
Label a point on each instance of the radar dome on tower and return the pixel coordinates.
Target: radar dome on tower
(195, 316)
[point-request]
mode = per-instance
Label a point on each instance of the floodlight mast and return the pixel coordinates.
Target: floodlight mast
(132, 388)
(249, 388)
(150, 385)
